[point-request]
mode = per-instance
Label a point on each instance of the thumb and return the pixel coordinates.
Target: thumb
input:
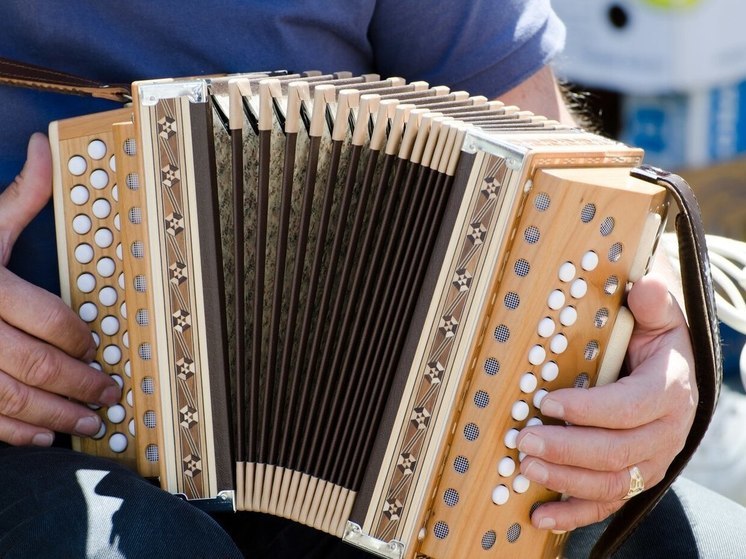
(655, 309)
(26, 195)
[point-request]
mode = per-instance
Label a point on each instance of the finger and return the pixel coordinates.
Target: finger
(572, 513)
(587, 484)
(18, 433)
(43, 315)
(38, 364)
(37, 407)
(597, 449)
(625, 404)
(26, 195)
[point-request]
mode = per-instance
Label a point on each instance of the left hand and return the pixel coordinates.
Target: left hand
(641, 420)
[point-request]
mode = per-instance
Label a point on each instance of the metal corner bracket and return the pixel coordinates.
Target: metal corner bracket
(354, 535)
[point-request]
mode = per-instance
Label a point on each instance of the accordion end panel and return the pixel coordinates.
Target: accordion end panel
(584, 217)
(92, 271)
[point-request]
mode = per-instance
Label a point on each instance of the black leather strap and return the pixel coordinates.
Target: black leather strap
(699, 301)
(13, 72)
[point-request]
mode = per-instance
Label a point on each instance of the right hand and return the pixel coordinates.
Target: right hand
(44, 347)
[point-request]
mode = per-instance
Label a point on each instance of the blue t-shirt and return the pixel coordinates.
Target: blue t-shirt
(483, 46)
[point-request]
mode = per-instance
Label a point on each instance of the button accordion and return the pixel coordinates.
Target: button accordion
(338, 299)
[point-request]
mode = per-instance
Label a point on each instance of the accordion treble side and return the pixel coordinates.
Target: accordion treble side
(338, 299)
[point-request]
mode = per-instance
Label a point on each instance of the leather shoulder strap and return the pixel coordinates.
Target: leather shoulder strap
(699, 301)
(13, 72)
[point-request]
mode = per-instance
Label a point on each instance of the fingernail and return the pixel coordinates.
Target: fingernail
(42, 439)
(111, 395)
(536, 471)
(547, 523)
(88, 425)
(532, 444)
(552, 408)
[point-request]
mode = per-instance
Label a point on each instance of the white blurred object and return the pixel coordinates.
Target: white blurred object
(728, 266)
(652, 46)
(720, 460)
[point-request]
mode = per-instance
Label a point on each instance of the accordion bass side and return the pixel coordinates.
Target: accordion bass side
(338, 299)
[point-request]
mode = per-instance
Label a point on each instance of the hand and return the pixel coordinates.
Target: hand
(44, 346)
(641, 420)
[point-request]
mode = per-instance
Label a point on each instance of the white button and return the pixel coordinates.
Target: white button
(556, 300)
(126, 339)
(103, 238)
(511, 438)
(549, 371)
(107, 296)
(119, 253)
(101, 208)
(117, 224)
(533, 422)
(113, 163)
(536, 355)
(116, 413)
(131, 427)
(506, 467)
(558, 344)
(112, 354)
(79, 194)
(128, 369)
(76, 165)
(97, 341)
(120, 280)
(99, 179)
(115, 193)
(118, 442)
(546, 327)
(101, 431)
(86, 282)
(568, 316)
(567, 272)
(129, 398)
(110, 325)
(539, 397)
(519, 411)
(96, 149)
(118, 380)
(96, 365)
(84, 253)
(500, 495)
(578, 288)
(521, 484)
(105, 267)
(88, 312)
(589, 261)
(81, 224)
(528, 383)
(123, 310)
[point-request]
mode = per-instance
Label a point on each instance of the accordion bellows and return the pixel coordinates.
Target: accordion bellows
(338, 299)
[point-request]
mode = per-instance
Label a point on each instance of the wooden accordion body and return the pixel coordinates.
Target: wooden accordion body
(416, 270)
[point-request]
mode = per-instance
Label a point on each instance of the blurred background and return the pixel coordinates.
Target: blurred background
(669, 76)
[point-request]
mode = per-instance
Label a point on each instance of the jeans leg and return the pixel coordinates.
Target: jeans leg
(59, 503)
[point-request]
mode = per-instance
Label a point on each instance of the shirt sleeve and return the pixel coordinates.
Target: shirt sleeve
(486, 47)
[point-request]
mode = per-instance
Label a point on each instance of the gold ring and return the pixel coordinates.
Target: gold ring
(636, 483)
